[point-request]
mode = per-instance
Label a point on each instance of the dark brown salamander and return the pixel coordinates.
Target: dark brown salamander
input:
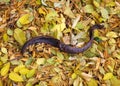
(62, 47)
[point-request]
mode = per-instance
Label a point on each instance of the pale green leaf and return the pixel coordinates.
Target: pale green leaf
(68, 12)
(10, 32)
(111, 34)
(51, 16)
(40, 61)
(112, 41)
(80, 25)
(104, 13)
(88, 9)
(30, 73)
(4, 50)
(60, 55)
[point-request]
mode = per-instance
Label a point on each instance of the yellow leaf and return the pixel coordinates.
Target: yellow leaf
(41, 11)
(115, 81)
(92, 82)
(19, 36)
(111, 34)
(108, 76)
(23, 71)
(96, 3)
(73, 76)
(1, 83)
(5, 37)
(25, 19)
(16, 69)
(5, 69)
(15, 77)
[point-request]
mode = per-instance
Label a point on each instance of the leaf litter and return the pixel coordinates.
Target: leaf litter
(69, 21)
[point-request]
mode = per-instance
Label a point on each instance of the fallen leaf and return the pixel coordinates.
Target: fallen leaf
(15, 77)
(104, 13)
(30, 73)
(88, 9)
(108, 76)
(92, 82)
(19, 36)
(5, 69)
(25, 19)
(111, 34)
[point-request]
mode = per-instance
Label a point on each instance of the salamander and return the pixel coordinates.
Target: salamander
(60, 45)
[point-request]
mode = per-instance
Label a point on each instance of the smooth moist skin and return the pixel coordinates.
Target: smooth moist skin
(62, 47)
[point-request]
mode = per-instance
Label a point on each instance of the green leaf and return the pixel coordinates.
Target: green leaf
(5, 69)
(19, 36)
(88, 9)
(98, 39)
(60, 55)
(29, 61)
(80, 25)
(30, 73)
(15, 77)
